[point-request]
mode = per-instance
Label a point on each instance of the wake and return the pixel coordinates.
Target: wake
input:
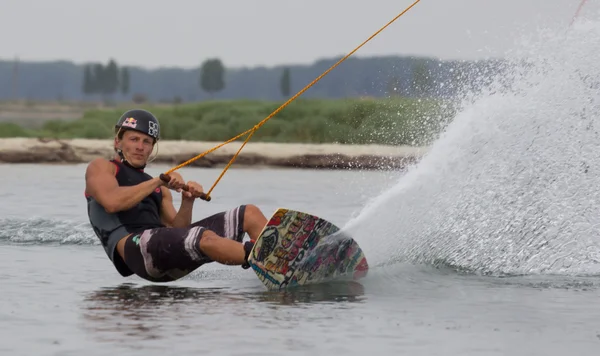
(513, 185)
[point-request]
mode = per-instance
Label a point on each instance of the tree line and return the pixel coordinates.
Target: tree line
(105, 79)
(109, 79)
(358, 77)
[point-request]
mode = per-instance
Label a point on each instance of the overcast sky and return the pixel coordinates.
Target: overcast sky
(182, 33)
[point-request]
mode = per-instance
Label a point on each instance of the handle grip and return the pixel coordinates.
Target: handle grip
(166, 178)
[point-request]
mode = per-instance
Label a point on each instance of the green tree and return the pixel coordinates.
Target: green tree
(88, 80)
(124, 80)
(111, 78)
(286, 83)
(421, 83)
(394, 86)
(212, 75)
(98, 78)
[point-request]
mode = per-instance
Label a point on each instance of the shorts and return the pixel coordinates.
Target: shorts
(167, 253)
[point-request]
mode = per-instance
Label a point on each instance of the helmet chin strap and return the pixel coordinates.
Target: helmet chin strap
(126, 162)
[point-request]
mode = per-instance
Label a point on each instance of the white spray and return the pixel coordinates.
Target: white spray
(513, 185)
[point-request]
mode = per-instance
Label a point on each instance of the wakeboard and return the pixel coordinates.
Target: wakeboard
(296, 248)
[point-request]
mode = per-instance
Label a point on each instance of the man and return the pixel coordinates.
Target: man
(133, 215)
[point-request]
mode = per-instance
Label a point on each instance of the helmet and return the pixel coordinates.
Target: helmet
(139, 120)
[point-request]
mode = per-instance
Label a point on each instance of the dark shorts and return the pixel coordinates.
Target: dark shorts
(166, 254)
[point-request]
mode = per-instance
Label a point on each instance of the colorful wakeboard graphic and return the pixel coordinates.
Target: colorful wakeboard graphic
(297, 248)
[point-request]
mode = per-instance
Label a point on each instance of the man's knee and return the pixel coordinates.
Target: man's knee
(253, 213)
(208, 238)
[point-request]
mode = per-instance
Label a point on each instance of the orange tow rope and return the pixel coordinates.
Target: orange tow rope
(251, 131)
(577, 12)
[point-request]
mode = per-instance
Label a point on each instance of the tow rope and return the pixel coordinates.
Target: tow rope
(250, 132)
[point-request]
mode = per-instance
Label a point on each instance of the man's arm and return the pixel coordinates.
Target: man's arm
(172, 217)
(101, 184)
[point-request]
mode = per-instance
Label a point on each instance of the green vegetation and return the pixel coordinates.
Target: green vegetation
(9, 129)
(105, 80)
(212, 74)
(285, 83)
(397, 121)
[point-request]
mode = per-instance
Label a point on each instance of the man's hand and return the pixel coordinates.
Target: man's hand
(176, 183)
(195, 190)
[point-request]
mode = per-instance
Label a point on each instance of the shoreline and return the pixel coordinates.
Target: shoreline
(292, 155)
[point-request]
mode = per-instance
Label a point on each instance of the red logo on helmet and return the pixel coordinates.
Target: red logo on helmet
(130, 122)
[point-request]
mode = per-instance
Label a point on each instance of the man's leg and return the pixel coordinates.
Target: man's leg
(223, 250)
(164, 254)
(234, 223)
(254, 221)
(222, 239)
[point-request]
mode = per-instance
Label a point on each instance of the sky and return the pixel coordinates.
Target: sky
(243, 33)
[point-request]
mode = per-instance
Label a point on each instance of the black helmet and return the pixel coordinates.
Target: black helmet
(139, 120)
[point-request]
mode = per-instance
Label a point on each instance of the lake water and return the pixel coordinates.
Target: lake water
(489, 246)
(61, 296)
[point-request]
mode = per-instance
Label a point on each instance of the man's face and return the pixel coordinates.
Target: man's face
(136, 147)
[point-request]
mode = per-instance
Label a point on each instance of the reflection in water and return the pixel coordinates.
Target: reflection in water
(345, 291)
(157, 311)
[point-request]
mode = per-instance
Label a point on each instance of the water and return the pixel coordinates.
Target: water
(489, 246)
(61, 296)
(512, 187)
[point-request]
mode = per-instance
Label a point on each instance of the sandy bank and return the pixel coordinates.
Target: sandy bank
(330, 156)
